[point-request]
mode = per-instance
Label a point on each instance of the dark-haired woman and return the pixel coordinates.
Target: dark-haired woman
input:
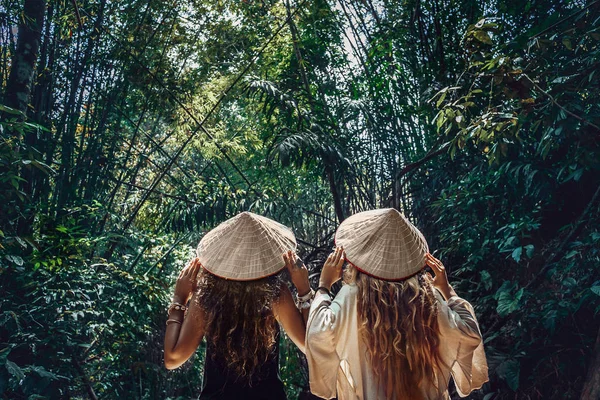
(393, 331)
(234, 295)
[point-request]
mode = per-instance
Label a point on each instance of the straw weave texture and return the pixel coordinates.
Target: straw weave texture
(383, 243)
(246, 247)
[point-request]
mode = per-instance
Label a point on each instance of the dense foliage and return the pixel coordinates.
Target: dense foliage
(129, 128)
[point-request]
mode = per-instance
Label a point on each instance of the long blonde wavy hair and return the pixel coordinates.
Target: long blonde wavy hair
(399, 326)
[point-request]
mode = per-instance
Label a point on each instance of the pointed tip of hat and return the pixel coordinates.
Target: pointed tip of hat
(246, 217)
(383, 243)
(247, 246)
(392, 213)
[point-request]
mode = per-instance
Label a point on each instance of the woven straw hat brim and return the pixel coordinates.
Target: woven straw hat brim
(383, 243)
(246, 247)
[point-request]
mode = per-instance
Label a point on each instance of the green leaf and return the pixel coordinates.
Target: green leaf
(571, 254)
(15, 259)
(486, 278)
(21, 242)
(507, 303)
(44, 373)
(529, 250)
(11, 110)
(595, 290)
(516, 254)
(441, 99)
(509, 371)
(482, 36)
(14, 370)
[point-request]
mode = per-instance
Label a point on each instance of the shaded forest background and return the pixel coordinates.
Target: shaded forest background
(128, 128)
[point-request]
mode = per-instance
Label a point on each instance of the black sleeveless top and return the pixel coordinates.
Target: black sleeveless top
(220, 382)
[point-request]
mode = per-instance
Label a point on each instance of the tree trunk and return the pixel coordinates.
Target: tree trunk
(20, 80)
(591, 388)
(337, 202)
(18, 95)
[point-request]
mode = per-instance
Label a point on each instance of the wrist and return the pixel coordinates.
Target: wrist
(177, 298)
(302, 286)
(303, 289)
(324, 289)
(447, 291)
(451, 292)
(325, 285)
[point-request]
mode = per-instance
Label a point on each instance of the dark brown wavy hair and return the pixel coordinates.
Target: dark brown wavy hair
(239, 319)
(399, 326)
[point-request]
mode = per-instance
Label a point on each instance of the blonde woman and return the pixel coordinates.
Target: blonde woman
(393, 331)
(234, 295)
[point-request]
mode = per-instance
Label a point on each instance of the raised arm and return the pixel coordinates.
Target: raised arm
(290, 318)
(324, 323)
(299, 276)
(184, 330)
(459, 311)
(460, 333)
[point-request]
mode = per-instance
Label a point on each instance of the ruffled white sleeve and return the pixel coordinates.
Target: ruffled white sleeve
(321, 341)
(463, 344)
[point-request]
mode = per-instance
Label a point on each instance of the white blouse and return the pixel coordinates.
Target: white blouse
(337, 358)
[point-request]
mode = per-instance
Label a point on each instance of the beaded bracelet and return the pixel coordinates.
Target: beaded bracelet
(303, 302)
(176, 306)
(307, 296)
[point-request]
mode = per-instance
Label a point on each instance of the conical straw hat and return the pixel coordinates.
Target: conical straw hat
(382, 243)
(246, 247)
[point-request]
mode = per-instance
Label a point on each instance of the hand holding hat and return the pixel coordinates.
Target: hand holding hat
(298, 272)
(332, 270)
(440, 281)
(186, 282)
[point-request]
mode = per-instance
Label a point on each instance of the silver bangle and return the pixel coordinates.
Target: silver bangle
(304, 302)
(307, 296)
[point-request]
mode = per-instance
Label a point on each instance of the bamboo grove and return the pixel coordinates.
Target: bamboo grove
(128, 128)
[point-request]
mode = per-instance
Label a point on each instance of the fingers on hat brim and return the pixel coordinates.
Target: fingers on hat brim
(338, 257)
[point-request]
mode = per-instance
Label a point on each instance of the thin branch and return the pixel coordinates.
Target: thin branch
(563, 245)
(581, 119)
(76, 7)
(564, 19)
(555, 256)
(170, 196)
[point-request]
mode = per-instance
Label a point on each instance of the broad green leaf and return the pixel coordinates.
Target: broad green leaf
(482, 36)
(516, 254)
(15, 259)
(509, 371)
(14, 370)
(529, 250)
(507, 303)
(486, 278)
